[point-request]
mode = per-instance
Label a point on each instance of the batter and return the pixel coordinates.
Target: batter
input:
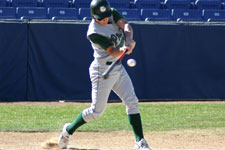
(109, 34)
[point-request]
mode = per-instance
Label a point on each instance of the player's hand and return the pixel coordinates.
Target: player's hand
(124, 48)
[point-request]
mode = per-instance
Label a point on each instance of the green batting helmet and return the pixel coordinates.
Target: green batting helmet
(100, 9)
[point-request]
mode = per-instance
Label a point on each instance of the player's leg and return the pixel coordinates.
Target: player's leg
(100, 92)
(101, 89)
(125, 90)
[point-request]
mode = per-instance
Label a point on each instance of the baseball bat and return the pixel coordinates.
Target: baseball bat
(110, 68)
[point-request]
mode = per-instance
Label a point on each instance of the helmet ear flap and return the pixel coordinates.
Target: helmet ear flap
(100, 9)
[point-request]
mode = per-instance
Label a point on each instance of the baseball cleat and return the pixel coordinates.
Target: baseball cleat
(141, 145)
(64, 137)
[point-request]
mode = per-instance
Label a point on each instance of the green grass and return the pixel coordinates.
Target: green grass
(157, 117)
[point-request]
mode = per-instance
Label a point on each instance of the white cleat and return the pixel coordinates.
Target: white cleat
(141, 145)
(64, 137)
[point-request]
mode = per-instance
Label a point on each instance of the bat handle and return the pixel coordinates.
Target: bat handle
(124, 53)
(106, 73)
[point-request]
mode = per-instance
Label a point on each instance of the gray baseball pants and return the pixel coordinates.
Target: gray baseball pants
(118, 81)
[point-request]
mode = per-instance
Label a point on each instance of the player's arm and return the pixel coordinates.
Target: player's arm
(128, 33)
(116, 51)
(105, 44)
(128, 30)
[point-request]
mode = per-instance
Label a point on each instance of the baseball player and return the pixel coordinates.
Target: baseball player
(110, 34)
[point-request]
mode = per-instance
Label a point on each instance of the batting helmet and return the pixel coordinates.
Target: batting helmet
(100, 9)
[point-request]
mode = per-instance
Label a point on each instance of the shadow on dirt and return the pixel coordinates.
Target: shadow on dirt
(81, 149)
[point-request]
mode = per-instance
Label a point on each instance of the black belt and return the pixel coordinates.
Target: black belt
(108, 63)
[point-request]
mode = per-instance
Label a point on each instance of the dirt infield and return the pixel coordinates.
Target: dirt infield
(182, 140)
(173, 140)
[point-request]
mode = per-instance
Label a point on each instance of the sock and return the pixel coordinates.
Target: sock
(79, 121)
(135, 122)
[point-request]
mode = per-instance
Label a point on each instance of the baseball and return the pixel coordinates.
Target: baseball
(131, 62)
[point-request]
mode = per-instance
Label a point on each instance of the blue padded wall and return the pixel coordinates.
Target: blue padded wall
(50, 61)
(59, 59)
(13, 61)
(179, 62)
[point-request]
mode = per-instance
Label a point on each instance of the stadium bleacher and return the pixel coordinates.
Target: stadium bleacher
(130, 14)
(120, 3)
(2, 3)
(134, 10)
(149, 4)
(177, 4)
(84, 14)
(24, 3)
(214, 15)
(63, 13)
(156, 14)
(186, 15)
(208, 4)
(56, 3)
(81, 3)
(31, 13)
(8, 12)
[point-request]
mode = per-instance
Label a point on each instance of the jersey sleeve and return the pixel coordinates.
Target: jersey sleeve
(117, 15)
(102, 41)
